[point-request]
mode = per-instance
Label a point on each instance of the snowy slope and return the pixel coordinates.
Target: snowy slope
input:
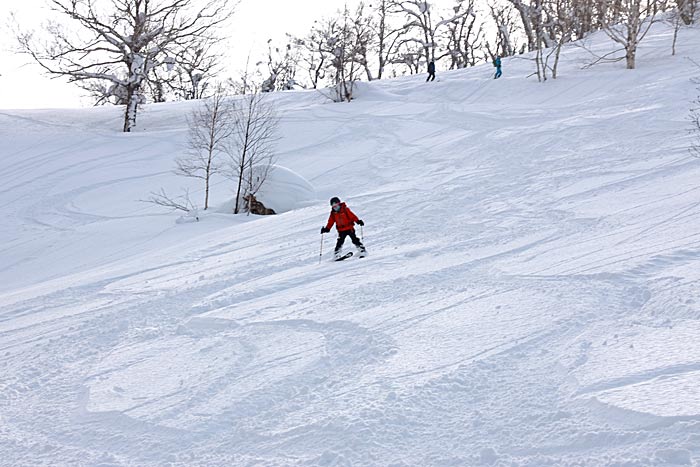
(531, 297)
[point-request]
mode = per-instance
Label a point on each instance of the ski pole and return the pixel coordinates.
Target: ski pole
(321, 252)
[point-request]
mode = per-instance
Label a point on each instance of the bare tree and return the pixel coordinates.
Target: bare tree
(409, 55)
(387, 36)
(551, 23)
(187, 74)
(343, 43)
(683, 15)
(585, 18)
(315, 52)
(627, 22)
(364, 37)
(338, 49)
(247, 81)
(562, 28)
(554, 26)
(194, 67)
(527, 13)
(251, 148)
(464, 35)
(687, 10)
(548, 25)
(420, 18)
(120, 45)
(534, 20)
(507, 31)
(282, 66)
(210, 130)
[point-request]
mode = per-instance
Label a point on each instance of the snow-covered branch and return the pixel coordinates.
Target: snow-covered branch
(123, 42)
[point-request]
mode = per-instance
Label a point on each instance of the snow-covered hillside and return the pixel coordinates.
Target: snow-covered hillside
(531, 295)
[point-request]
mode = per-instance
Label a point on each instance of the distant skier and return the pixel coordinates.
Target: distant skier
(497, 64)
(344, 220)
(431, 71)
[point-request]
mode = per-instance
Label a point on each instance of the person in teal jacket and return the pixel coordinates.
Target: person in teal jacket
(497, 64)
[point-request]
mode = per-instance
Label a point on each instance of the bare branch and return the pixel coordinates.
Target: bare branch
(182, 203)
(122, 43)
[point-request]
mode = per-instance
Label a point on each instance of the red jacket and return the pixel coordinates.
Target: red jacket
(344, 219)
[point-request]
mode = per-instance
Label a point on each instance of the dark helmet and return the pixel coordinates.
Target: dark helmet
(335, 200)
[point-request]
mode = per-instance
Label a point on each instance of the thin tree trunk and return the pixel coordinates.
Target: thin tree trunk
(206, 184)
(675, 38)
(240, 180)
(243, 161)
(556, 60)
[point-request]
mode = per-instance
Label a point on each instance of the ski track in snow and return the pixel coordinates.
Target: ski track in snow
(530, 297)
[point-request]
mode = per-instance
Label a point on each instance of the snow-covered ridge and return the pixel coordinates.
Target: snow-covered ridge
(530, 295)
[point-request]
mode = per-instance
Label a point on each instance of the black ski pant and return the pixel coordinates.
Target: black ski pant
(341, 239)
(431, 76)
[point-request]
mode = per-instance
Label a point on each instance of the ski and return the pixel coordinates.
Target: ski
(345, 256)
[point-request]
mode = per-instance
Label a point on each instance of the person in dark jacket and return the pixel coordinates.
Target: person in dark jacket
(497, 64)
(344, 220)
(431, 71)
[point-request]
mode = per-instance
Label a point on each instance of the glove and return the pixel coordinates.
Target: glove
(360, 222)
(325, 230)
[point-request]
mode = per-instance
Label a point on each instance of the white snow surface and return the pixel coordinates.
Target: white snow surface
(531, 295)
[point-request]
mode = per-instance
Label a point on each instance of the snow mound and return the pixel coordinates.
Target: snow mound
(284, 190)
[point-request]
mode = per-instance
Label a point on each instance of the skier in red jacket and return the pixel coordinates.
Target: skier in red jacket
(344, 220)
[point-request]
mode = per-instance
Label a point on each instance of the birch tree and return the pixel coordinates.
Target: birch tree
(117, 43)
(627, 22)
(211, 128)
(251, 150)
